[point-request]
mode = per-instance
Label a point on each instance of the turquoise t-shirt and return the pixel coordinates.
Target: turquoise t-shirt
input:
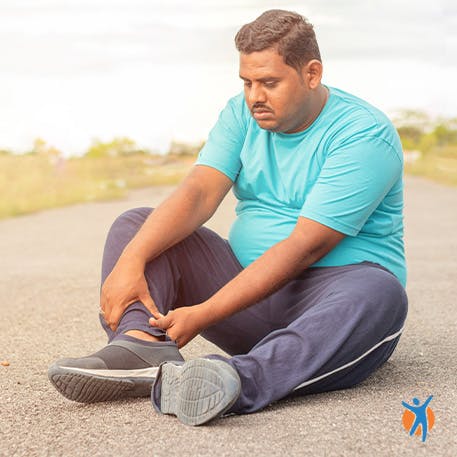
(344, 171)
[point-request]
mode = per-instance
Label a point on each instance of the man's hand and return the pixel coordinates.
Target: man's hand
(125, 285)
(183, 324)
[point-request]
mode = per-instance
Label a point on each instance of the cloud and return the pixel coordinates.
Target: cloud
(74, 35)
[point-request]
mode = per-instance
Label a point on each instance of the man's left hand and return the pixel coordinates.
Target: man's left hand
(182, 324)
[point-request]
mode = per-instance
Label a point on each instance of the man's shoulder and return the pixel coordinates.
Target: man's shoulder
(360, 118)
(357, 107)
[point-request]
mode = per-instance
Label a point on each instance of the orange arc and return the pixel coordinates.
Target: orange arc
(408, 420)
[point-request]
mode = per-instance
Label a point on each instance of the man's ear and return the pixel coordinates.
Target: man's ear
(312, 73)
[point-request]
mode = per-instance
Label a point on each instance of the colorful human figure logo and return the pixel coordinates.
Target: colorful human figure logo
(418, 419)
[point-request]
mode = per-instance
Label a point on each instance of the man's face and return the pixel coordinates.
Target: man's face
(276, 94)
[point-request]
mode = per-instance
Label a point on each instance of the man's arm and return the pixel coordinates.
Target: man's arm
(278, 265)
(186, 209)
(308, 242)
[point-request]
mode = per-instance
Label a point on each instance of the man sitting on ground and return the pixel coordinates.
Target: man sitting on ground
(306, 295)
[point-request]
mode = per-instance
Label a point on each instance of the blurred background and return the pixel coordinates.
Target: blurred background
(99, 96)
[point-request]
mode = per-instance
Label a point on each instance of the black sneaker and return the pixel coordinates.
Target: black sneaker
(197, 391)
(121, 369)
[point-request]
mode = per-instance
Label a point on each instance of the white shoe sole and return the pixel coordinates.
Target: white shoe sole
(198, 391)
(92, 385)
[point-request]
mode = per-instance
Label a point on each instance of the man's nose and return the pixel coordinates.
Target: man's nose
(256, 94)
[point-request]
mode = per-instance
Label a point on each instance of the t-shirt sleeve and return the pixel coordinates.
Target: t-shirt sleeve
(353, 181)
(225, 141)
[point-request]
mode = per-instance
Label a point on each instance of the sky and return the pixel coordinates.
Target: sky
(72, 71)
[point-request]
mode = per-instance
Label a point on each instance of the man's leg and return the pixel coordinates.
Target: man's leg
(331, 328)
(136, 316)
(343, 334)
(185, 274)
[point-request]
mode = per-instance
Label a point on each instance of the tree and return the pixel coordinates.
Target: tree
(122, 146)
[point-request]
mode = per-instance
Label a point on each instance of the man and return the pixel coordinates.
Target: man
(306, 296)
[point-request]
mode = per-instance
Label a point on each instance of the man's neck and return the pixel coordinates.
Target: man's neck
(318, 102)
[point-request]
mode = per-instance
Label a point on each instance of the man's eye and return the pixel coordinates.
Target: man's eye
(270, 84)
(247, 84)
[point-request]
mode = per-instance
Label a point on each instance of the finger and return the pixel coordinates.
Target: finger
(151, 306)
(114, 317)
(163, 322)
(181, 342)
(101, 310)
(178, 343)
(175, 338)
(104, 305)
(159, 323)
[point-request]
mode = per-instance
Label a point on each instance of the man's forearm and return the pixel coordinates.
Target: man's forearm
(173, 220)
(187, 208)
(277, 266)
(261, 278)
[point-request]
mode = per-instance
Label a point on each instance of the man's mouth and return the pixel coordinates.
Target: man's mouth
(261, 113)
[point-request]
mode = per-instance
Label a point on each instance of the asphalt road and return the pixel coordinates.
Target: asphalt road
(49, 272)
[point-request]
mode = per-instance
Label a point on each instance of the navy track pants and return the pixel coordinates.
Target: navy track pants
(327, 329)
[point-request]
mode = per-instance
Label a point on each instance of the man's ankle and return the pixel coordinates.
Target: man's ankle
(144, 336)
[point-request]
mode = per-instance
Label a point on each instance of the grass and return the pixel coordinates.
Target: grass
(439, 164)
(30, 183)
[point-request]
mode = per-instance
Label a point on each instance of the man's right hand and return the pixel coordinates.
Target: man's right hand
(126, 284)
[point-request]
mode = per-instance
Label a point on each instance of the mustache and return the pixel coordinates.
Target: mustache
(260, 107)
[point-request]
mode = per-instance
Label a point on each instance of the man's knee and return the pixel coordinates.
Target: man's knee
(129, 222)
(132, 217)
(383, 296)
(372, 297)
(391, 295)
(125, 226)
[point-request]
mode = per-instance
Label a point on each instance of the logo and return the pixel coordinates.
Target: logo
(418, 419)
